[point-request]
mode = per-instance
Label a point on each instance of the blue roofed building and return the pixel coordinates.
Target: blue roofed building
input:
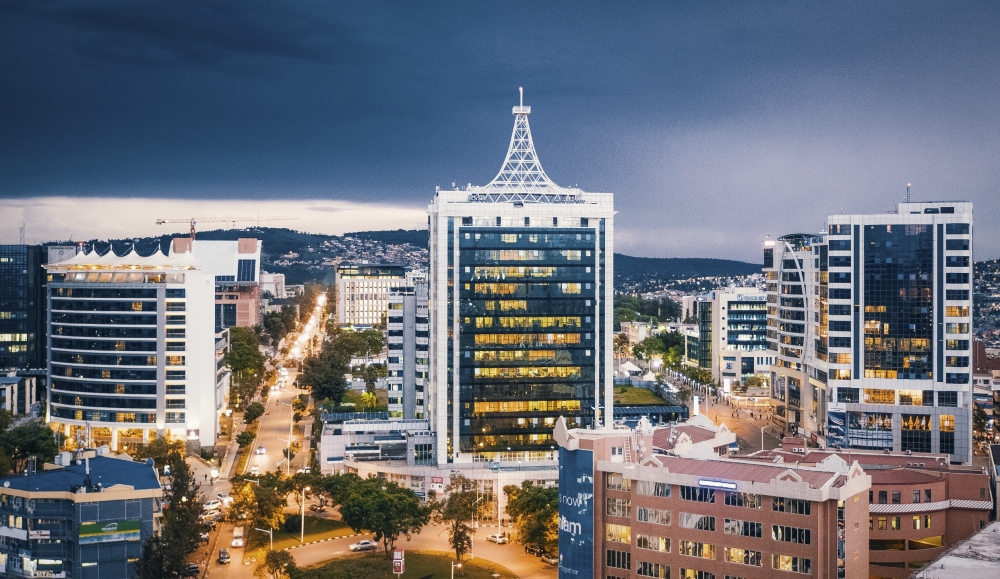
(86, 516)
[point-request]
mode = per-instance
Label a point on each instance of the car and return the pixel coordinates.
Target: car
(237, 537)
(224, 557)
(550, 559)
(261, 449)
(213, 505)
(305, 470)
(317, 508)
(255, 470)
(192, 570)
(498, 539)
(204, 538)
(225, 498)
(533, 550)
(365, 545)
(733, 448)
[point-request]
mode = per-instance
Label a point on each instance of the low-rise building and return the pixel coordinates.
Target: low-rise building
(661, 502)
(919, 504)
(85, 516)
(18, 393)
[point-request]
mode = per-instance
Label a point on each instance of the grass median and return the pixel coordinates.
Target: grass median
(418, 564)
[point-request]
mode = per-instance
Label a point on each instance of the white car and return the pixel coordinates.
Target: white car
(261, 449)
(255, 470)
(237, 542)
(225, 498)
(213, 505)
(365, 545)
(498, 539)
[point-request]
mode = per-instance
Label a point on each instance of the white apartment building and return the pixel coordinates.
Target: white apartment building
(131, 350)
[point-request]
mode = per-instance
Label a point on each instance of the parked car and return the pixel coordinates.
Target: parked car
(533, 550)
(255, 470)
(498, 539)
(261, 449)
(550, 559)
(365, 545)
(213, 505)
(733, 448)
(305, 470)
(224, 556)
(317, 508)
(192, 570)
(204, 538)
(225, 498)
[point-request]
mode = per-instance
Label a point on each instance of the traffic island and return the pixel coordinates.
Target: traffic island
(418, 564)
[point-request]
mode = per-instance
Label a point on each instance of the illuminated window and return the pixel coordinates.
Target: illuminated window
(619, 533)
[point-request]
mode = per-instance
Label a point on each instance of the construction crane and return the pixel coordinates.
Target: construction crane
(195, 220)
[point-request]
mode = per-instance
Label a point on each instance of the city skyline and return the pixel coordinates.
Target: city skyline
(687, 112)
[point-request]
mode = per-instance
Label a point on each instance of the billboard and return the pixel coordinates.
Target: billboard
(108, 532)
(576, 514)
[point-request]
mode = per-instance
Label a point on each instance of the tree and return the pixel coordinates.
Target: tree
(33, 439)
(979, 418)
(336, 486)
(156, 561)
(162, 451)
(535, 511)
(253, 412)
(245, 438)
(258, 505)
(368, 400)
(324, 374)
(247, 363)
(456, 511)
(276, 565)
(383, 508)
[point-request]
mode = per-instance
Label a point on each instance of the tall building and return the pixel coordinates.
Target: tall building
(235, 266)
(900, 326)
(22, 307)
(409, 350)
(739, 331)
(797, 311)
(363, 292)
(78, 518)
(521, 292)
(131, 350)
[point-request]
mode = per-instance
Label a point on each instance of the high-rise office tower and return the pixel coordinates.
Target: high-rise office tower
(900, 306)
(872, 328)
(408, 344)
(520, 310)
(132, 350)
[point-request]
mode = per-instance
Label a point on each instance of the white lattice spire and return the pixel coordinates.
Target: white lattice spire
(521, 171)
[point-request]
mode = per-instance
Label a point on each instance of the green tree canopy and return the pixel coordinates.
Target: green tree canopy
(456, 511)
(253, 412)
(33, 439)
(535, 511)
(383, 508)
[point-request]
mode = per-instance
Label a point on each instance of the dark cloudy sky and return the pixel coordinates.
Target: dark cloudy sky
(714, 123)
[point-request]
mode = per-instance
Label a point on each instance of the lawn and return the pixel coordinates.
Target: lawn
(419, 565)
(633, 396)
(316, 529)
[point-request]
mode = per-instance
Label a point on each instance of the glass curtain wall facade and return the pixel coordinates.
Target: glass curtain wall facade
(22, 307)
(900, 328)
(527, 335)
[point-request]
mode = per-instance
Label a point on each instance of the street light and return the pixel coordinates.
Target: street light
(453, 567)
(302, 537)
(270, 533)
(472, 546)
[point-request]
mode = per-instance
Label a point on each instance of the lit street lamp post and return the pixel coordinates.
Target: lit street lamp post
(270, 533)
(453, 567)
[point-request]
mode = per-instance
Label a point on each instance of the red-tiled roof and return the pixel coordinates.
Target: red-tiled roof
(901, 476)
(661, 436)
(734, 470)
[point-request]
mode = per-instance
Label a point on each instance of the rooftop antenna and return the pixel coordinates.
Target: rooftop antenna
(520, 90)
(908, 185)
